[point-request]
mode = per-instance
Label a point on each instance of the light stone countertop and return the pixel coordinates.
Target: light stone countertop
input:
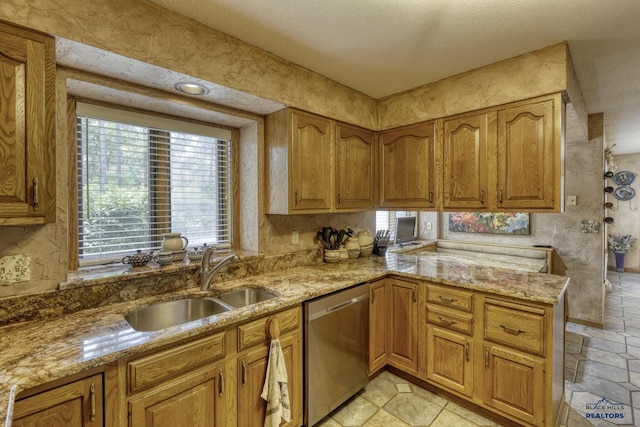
(40, 351)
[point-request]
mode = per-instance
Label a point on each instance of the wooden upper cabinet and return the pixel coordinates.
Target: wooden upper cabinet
(317, 165)
(299, 147)
(310, 162)
(466, 155)
(407, 167)
(27, 127)
(529, 160)
(355, 168)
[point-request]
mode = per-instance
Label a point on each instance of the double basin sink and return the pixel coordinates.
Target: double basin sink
(174, 313)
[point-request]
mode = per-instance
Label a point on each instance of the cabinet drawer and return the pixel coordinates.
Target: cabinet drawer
(517, 326)
(450, 319)
(450, 297)
(153, 369)
(255, 332)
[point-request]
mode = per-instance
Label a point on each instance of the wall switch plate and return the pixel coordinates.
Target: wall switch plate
(572, 200)
(295, 237)
(14, 269)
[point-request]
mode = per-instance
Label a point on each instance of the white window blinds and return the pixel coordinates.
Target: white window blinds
(141, 176)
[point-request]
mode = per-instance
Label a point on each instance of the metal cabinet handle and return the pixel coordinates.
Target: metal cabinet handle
(295, 197)
(511, 330)
(500, 196)
(36, 201)
(486, 357)
(482, 197)
(92, 397)
(446, 321)
(447, 300)
(244, 373)
(466, 352)
(430, 197)
(221, 389)
(339, 198)
(415, 294)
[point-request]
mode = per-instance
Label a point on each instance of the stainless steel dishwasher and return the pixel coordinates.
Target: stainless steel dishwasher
(336, 350)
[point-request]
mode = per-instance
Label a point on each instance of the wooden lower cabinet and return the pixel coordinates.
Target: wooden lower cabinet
(403, 325)
(194, 400)
(450, 359)
(77, 404)
(378, 322)
(252, 371)
(514, 383)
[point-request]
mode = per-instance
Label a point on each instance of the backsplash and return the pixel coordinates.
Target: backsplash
(96, 287)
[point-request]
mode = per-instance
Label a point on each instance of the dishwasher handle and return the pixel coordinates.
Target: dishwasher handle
(339, 306)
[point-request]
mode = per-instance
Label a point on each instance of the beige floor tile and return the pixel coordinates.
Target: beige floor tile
(412, 409)
(356, 413)
(384, 419)
(475, 418)
(449, 419)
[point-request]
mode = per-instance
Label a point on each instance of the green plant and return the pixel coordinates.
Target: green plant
(619, 243)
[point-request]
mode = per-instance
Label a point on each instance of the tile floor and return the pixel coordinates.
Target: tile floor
(601, 363)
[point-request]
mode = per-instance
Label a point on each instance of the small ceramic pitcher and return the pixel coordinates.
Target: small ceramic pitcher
(173, 242)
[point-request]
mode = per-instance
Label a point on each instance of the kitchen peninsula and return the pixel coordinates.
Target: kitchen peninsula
(95, 340)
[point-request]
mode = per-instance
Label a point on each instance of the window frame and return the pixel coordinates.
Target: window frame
(72, 202)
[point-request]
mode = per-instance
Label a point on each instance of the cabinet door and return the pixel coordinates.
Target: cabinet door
(407, 163)
(527, 139)
(355, 166)
(378, 325)
(403, 327)
(195, 400)
(514, 383)
(465, 146)
(27, 127)
(450, 359)
(252, 372)
(78, 404)
(311, 152)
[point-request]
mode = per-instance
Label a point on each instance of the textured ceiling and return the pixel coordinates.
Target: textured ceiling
(381, 47)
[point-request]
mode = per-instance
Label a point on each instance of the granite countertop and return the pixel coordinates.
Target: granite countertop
(41, 351)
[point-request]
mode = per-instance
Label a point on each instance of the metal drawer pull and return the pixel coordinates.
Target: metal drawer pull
(92, 396)
(244, 373)
(415, 294)
(486, 357)
(511, 330)
(221, 383)
(446, 321)
(36, 201)
(339, 198)
(501, 196)
(447, 300)
(482, 197)
(466, 351)
(295, 193)
(430, 197)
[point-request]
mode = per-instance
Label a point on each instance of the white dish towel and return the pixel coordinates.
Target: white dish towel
(276, 390)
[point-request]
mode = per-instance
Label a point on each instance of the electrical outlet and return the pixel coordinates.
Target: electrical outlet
(295, 237)
(428, 226)
(572, 200)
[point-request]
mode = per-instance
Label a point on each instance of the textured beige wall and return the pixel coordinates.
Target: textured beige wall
(626, 220)
(147, 32)
(533, 74)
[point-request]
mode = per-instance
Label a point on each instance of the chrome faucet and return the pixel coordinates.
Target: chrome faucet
(206, 272)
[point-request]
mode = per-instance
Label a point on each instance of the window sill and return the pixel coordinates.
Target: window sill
(115, 273)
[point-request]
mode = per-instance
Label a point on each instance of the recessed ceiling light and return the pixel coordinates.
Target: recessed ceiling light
(191, 88)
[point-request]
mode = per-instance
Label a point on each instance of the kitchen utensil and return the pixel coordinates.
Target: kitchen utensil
(138, 259)
(172, 242)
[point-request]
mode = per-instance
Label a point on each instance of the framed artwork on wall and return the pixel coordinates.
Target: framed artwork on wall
(489, 222)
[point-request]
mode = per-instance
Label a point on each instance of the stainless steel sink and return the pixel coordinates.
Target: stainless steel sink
(173, 313)
(245, 296)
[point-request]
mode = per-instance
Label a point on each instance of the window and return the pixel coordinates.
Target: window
(386, 220)
(141, 176)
